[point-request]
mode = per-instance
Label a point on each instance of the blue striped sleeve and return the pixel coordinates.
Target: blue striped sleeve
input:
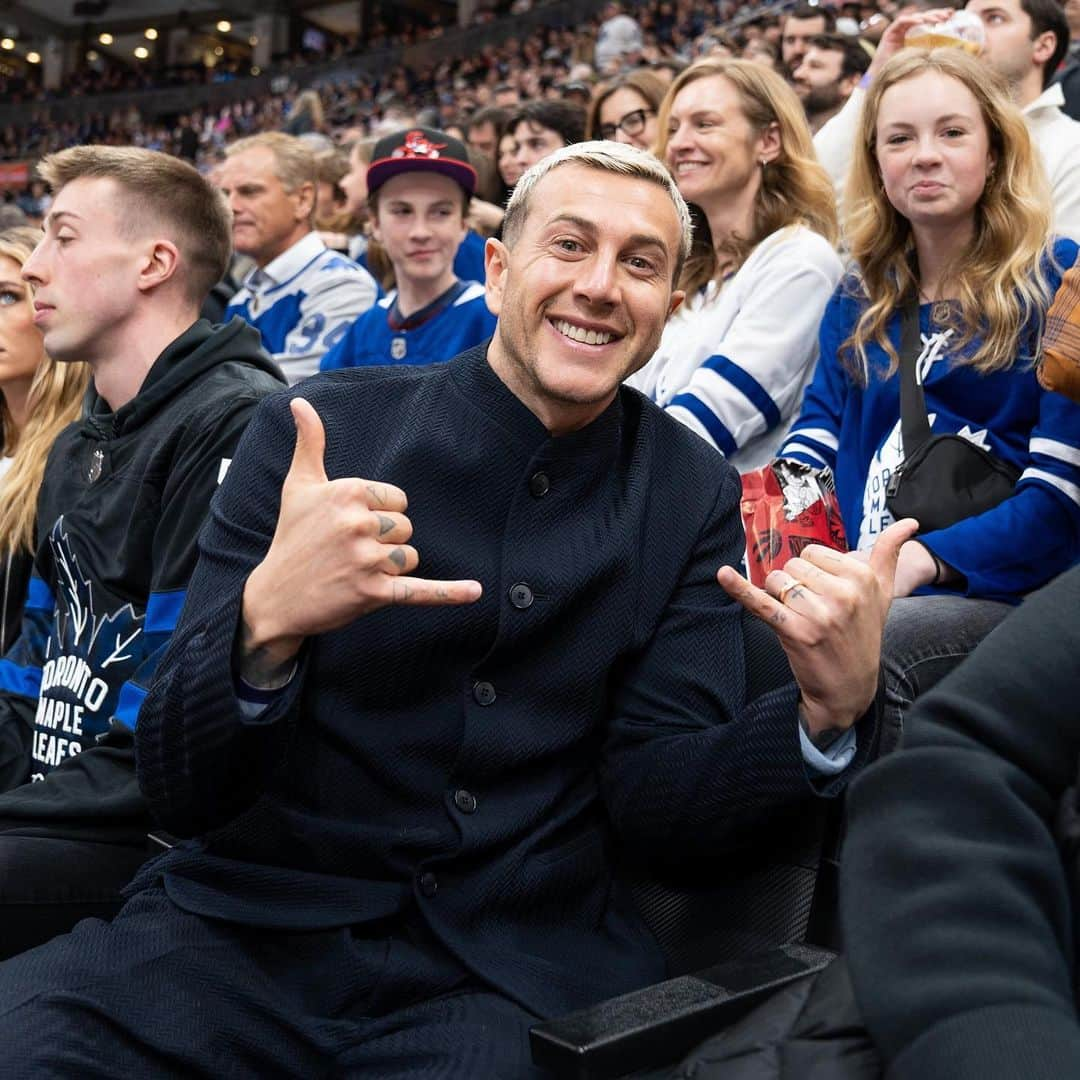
(697, 408)
(163, 611)
(127, 707)
(39, 596)
(15, 679)
(748, 386)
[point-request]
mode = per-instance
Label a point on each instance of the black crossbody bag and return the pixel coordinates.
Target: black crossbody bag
(943, 478)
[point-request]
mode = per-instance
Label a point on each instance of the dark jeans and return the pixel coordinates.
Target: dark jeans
(925, 638)
(47, 885)
(163, 993)
(68, 845)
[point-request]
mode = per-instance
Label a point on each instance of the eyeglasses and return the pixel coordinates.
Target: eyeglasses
(633, 123)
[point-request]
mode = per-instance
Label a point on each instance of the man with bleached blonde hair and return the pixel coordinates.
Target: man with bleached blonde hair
(402, 793)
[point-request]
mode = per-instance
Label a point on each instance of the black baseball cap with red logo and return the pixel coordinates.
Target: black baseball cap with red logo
(420, 149)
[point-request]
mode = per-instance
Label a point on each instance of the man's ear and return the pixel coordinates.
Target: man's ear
(1043, 47)
(161, 263)
(305, 200)
(496, 267)
(677, 297)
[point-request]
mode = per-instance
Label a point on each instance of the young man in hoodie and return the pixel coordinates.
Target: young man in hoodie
(132, 244)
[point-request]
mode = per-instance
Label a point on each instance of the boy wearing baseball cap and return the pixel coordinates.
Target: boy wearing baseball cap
(419, 183)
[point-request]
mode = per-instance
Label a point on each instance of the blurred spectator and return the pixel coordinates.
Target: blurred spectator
(331, 203)
(506, 96)
(483, 128)
(626, 109)
(762, 52)
(306, 116)
(12, 216)
(619, 36)
(300, 296)
(735, 358)
(420, 183)
(187, 143)
(35, 200)
(1070, 74)
(827, 76)
(509, 169)
(541, 127)
(799, 26)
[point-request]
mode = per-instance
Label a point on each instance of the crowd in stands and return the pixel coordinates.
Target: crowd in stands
(393, 562)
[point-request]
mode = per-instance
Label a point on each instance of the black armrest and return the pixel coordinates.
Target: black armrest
(661, 1023)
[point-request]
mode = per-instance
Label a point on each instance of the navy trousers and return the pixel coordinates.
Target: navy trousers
(163, 993)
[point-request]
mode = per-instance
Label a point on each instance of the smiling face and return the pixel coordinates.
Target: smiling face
(22, 349)
(933, 150)
(712, 150)
(625, 116)
(583, 294)
(85, 272)
(420, 224)
(267, 219)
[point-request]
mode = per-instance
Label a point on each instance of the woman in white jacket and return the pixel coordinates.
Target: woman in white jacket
(735, 359)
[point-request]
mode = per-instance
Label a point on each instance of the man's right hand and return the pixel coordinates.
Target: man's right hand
(339, 551)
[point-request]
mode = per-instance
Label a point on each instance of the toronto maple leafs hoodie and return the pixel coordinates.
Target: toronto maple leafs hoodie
(1005, 552)
(122, 502)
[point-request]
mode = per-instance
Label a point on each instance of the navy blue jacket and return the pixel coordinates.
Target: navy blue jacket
(475, 764)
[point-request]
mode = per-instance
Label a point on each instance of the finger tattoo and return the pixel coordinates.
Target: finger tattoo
(397, 557)
(401, 592)
(377, 493)
(385, 524)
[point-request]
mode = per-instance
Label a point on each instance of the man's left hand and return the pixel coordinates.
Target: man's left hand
(828, 609)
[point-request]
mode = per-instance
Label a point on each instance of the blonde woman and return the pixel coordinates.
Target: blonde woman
(949, 211)
(735, 359)
(38, 398)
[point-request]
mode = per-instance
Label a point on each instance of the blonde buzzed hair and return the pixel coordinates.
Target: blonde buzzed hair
(295, 161)
(607, 156)
(162, 193)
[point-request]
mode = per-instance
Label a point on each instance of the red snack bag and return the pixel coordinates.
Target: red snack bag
(785, 506)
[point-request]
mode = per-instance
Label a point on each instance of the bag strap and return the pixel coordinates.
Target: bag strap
(914, 423)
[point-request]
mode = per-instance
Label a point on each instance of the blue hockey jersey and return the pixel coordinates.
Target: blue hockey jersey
(455, 322)
(302, 303)
(1007, 551)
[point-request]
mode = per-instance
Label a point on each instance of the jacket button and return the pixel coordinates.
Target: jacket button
(484, 693)
(539, 485)
(465, 801)
(429, 883)
(521, 596)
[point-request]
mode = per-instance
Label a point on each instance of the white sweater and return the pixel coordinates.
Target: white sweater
(735, 359)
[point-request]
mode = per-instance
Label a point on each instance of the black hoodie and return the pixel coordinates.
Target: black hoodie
(123, 498)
